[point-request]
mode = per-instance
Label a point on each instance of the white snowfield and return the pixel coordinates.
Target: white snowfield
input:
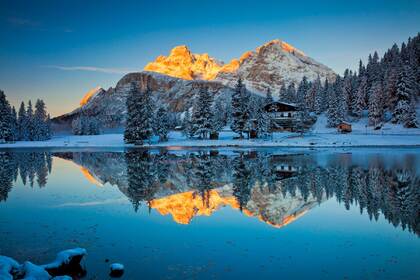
(176, 139)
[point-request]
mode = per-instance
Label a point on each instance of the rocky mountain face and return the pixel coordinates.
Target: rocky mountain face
(271, 65)
(176, 79)
(109, 106)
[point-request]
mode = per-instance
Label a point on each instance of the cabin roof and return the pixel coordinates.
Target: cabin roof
(278, 106)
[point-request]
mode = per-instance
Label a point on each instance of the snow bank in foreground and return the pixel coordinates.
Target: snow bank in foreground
(9, 267)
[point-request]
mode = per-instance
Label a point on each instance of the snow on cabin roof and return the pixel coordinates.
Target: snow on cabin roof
(343, 122)
(278, 104)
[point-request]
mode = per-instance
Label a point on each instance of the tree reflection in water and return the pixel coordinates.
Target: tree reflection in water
(273, 187)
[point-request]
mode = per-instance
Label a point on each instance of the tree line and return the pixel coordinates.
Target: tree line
(387, 88)
(373, 189)
(205, 117)
(28, 124)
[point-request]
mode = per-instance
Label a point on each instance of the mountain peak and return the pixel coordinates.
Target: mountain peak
(281, 44)
(181, 63)
(272, 64)
(89, 95)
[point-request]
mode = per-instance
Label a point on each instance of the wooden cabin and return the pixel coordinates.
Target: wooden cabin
(283, 114)
(344, 127)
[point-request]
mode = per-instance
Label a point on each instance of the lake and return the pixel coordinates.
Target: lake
(216, 214)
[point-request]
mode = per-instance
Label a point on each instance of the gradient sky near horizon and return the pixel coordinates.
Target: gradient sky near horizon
(58, 50)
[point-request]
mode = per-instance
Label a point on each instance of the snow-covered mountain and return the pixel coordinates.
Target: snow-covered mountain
(176, 79)
(269, 66)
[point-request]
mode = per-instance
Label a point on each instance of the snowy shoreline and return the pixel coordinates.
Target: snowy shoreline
(284, 140)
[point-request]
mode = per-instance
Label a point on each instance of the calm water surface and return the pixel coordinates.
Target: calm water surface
(201, 214)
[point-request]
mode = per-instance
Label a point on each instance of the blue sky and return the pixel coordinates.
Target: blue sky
(58, 50)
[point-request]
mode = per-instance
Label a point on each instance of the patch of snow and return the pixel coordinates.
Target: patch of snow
(65, 257)
(7, 267)
(116, 266)
(34, 272)
(117, 270)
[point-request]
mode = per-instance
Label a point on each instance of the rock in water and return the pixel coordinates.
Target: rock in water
(117, 270)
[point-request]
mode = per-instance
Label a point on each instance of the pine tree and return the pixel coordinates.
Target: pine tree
(14, 125)
(375, 104)
(291, 93)
(240, 109)
(6, 133)
(341, 100)
(348, 90)
(360, 100)
(40, 118)
(30, 122)
(405, 92)
(219, 116)
(22, 123)
(332, 118)
(187, 125)
(321, 98)
(161, 124)
(283, 94)
(268, 97)
(411, 121)
(301, 93)
(262, 121)
(315, 93)
(139, 115)
(202, 117)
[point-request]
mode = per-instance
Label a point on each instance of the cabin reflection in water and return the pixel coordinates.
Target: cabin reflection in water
(273, 188)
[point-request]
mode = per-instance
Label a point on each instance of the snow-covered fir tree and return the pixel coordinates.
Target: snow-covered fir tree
(14, 125)
(332, 114)
(30, 126)
(320, 99)
(302, 91)
(21, 123)
(261, 121)
(360, 98)
(348, 90)
(375, 104)
(405, 92)
(6, 132)
(291, 93)
(202, 117)
(341, 100)
(139, 115)
(219, 116)
(41, 129)
(283, 94)
(268, 97)
(186, 124)
(411, 121)
(316, 94)
(240, 109)
(161, 124)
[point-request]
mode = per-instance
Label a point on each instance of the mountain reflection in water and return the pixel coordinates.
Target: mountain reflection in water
(276, 189)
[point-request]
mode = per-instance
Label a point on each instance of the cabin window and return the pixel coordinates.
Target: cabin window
(289, 114)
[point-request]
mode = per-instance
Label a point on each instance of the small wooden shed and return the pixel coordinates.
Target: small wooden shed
(344, 127)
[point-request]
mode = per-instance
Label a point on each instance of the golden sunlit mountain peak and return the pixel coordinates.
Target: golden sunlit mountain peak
(181, 63)
(89, 95)
(183, 207)
(283, 45)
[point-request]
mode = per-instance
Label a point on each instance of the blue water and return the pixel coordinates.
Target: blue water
(328, 241)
